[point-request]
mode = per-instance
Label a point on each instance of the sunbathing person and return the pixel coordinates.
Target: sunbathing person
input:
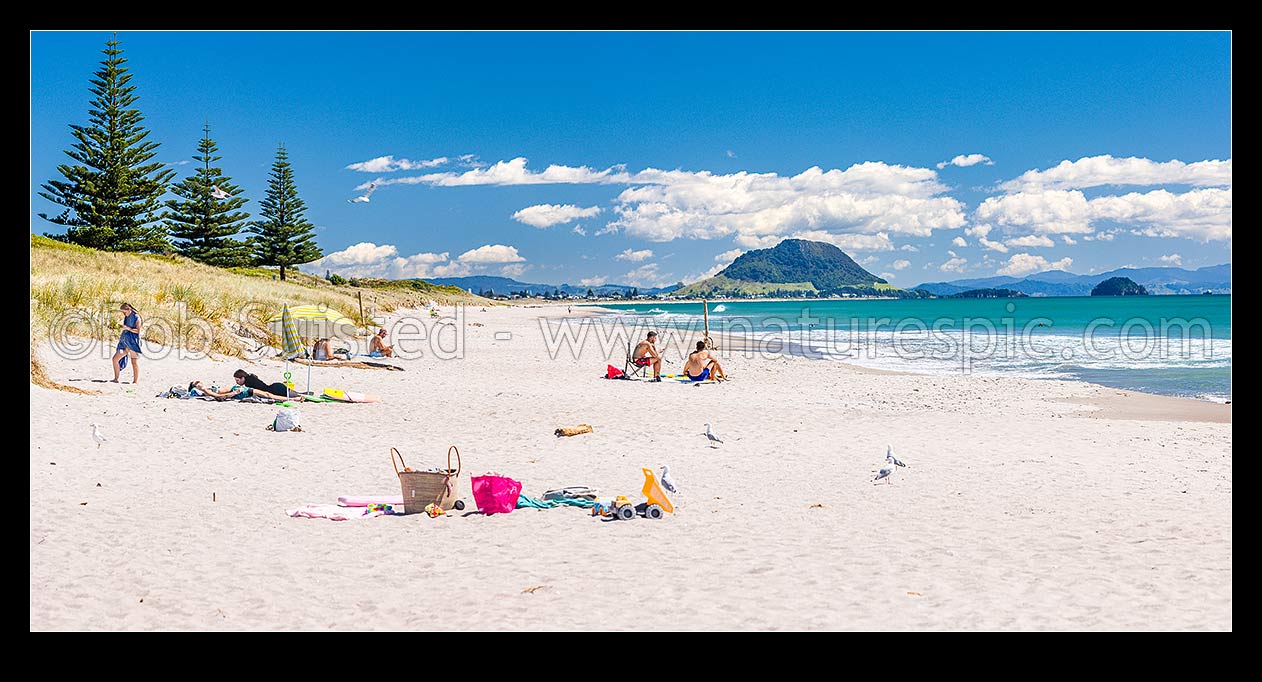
(244, 378)
(702, 365)
(237, 392)
(646, 355)
(322, 351)
(377, 346)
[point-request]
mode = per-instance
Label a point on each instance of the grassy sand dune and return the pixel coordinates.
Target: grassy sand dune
(76, 291)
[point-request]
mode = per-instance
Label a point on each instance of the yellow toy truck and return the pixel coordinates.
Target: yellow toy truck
(655, 505)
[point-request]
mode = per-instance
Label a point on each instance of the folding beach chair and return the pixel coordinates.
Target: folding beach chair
(631, 368)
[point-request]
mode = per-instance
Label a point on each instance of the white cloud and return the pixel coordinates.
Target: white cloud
(514, 172)
(366, 259)
(868, 261)
(547, 215)
(728, 256)
(964, 160)
(845, 242)
(1171, 259)
(909, 247)
(993, 246)
(491, 253)
(181, 162)
(959, 241)
(979, 231)
(887, 276)
(592, 281)
(956, 264)
(1097, 171)
(514, 270)
(864, 199)
(1030, 240)
(1024, 264)
(731, 154)
(900, 264)
(635, 256)
(578, 230)
(647, 276)
(389, 164)
(660, 205)
(1067, 239)
(1203, 214)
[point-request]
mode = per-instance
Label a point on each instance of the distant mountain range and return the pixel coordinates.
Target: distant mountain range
(794, 267)
(1215, 278)
(504, 285)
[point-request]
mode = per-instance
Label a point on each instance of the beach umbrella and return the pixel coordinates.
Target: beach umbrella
(314, 321)
(291, 342)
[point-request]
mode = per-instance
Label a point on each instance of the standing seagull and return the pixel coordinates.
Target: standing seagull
(363, 198)
(887, 471)
(665, 478)
(97, 435)
(218, 193)
(712, 436)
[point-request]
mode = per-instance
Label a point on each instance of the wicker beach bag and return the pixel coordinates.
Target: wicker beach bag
(421, 488)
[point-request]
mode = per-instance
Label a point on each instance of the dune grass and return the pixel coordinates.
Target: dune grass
(77, 291)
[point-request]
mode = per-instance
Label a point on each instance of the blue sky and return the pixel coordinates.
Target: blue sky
(674, 152)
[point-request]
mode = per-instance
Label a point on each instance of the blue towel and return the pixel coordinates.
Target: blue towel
(525, 502)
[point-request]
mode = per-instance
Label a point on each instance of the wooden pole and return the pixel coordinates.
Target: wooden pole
(361, 309)
(705, 313)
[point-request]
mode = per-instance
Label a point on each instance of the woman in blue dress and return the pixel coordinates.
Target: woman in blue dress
(128, 344)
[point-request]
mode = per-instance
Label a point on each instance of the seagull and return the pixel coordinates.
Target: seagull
(711, 435)
(363, 198)
(218, 193)
(887, 471)
(667, 483)
(97, 435)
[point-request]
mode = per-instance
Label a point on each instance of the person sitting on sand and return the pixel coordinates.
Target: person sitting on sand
(322, 351)
(244, 378)
(646, 355)
(701, 364)
(237, 392)
(377, 346)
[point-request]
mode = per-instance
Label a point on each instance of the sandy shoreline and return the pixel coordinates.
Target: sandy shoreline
(1027, 504)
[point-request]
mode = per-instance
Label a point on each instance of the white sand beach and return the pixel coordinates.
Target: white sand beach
(1026, 505)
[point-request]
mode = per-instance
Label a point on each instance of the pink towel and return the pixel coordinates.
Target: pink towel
(331, 512)
(365, 500)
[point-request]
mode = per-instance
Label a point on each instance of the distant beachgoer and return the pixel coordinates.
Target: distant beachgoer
(377, 346)
(244, 378)
(237, 392)
(646, 355)
(128, 344)
(701, 365)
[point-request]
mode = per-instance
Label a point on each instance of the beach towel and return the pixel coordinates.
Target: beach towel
(181, 393)
(369, 500)
(333, 512)
(526, 502)
(612, 372)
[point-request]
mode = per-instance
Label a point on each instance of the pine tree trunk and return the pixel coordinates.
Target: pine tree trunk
(282, 273)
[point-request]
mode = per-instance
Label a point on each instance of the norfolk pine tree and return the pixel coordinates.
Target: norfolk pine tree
(205, 225)
(111, 192)
(284, 237)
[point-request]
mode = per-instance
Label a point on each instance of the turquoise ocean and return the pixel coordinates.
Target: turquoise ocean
(1171, 345)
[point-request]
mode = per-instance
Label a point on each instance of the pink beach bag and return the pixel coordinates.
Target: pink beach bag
(495, 494)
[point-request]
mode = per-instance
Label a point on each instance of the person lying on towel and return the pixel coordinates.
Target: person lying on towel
(702, 365)
(237, 392)
(244, 378)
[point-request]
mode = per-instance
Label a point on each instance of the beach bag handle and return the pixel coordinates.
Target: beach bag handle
(459, 464)
(394, 452)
